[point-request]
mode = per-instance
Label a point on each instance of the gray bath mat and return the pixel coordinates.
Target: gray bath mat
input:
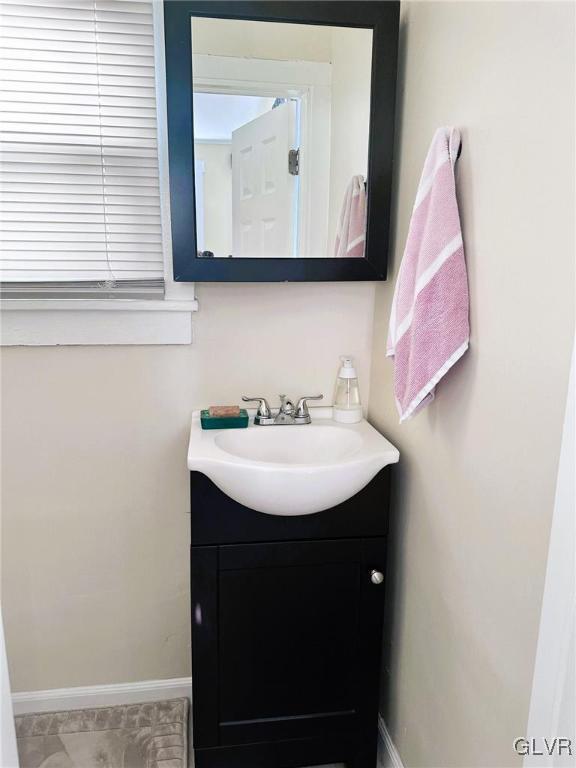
(150, 735)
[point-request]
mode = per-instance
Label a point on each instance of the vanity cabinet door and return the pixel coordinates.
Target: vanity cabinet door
(286, 640)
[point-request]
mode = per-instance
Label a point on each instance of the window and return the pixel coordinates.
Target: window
(80, 206)
(79, 164)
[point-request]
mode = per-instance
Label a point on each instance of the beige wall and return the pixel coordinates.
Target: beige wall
(478, 468)
(95, 530)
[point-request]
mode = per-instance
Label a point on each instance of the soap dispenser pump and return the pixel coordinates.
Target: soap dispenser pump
(347, 406)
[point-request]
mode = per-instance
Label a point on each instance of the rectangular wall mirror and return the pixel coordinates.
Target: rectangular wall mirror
(280, 127)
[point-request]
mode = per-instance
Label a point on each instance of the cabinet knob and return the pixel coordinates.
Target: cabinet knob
(376, 577)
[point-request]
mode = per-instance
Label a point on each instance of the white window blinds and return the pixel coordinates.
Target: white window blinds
(79, 204)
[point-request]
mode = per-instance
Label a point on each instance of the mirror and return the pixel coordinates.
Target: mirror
(281, 125)
(280, 138)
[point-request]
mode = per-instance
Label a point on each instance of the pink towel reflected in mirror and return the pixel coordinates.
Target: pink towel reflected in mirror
(351, 234)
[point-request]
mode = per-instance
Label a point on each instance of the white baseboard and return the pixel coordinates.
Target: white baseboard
(101, 695)
(388, 756)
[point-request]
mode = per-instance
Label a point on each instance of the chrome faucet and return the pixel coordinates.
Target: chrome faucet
(288, 413)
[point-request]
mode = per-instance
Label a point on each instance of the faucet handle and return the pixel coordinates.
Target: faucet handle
(263, 408)
(302, 405)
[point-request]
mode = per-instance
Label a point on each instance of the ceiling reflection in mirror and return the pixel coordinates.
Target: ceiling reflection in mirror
(281, 125)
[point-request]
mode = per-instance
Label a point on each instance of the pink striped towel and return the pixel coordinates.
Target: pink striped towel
(351, 235)
(429, 328)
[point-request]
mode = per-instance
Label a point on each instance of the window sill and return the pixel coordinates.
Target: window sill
(116, 305)
(54, 322)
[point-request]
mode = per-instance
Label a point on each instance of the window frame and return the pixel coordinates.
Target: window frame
(109, 321)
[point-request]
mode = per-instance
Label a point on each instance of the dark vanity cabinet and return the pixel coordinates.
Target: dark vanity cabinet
(286, 631)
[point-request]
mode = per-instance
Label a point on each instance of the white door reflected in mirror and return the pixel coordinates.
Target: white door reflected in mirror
(263, 187)
(281, 124)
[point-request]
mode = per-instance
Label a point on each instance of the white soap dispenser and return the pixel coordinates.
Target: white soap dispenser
(347, 406)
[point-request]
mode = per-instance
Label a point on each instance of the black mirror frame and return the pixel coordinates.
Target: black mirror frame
(383, 19)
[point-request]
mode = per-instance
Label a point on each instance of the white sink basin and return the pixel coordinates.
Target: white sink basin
(290, 470)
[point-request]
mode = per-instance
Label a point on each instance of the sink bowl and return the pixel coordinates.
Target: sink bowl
(313, 445)
(290, 470)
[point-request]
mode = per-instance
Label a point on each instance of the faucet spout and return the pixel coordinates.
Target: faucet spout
(286, 413)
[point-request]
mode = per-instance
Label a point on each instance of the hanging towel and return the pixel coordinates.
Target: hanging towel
(429, 328)
(351, 234)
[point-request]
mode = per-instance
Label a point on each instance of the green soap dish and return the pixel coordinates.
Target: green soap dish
(224, 422)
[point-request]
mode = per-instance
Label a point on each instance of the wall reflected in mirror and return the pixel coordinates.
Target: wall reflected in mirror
(281, 125)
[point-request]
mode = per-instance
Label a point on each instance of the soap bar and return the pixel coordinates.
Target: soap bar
(224, 410)
(224, 422)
